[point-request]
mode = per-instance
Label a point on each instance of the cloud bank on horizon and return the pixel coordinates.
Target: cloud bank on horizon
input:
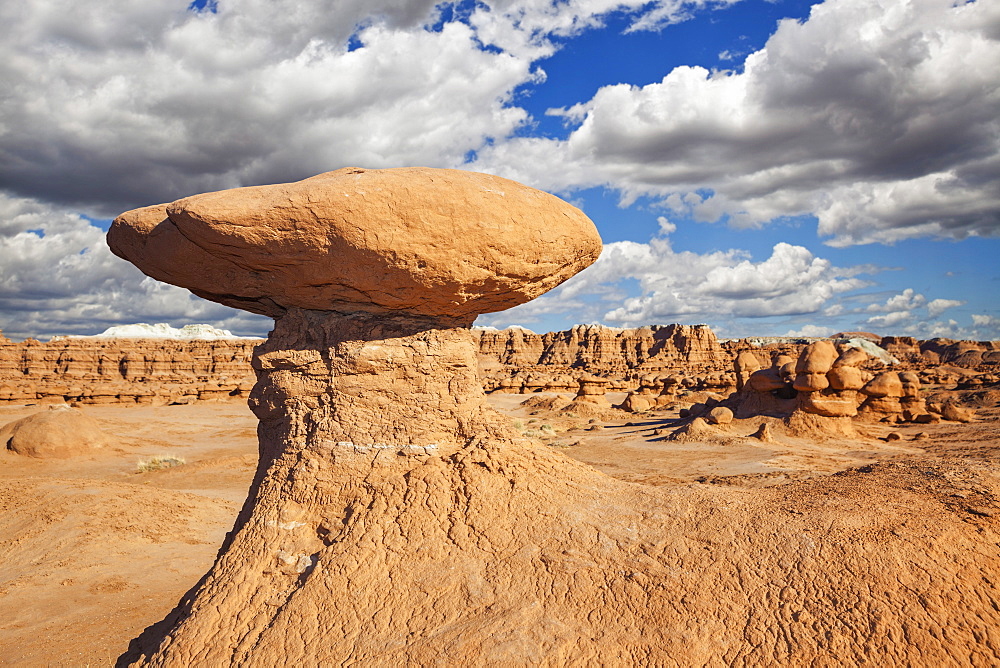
(855, 149)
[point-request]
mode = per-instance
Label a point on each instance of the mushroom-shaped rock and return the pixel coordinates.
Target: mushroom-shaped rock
(590, 385)
(910, 382)
(744, 365)
(432, 242)
(817, 357)
(590, 395)
(886, 384)
(395, 519)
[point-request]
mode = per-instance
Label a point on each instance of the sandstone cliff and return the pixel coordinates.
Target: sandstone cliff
(91, 370)
(156, 370)
(602, 349)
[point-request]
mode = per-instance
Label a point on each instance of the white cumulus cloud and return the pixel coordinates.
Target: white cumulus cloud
(938, 306)
(878, 117)
(907, 300)
(686, 286)
(58, 276)
(816, 331)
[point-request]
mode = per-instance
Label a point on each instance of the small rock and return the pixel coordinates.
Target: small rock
(720, 415)
(957, 413)
(763, 433)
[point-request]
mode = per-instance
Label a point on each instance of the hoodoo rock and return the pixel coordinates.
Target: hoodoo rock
(395, 519)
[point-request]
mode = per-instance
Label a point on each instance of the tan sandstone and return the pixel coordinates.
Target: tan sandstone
(395, 520)
(60, 432)
(364, 240)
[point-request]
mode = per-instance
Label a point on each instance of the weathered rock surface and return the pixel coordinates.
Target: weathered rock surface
(433, 242)
(604, 350)
(58, 433)
(846, 390)
(137, 370)
(128, 371)
(395, 520)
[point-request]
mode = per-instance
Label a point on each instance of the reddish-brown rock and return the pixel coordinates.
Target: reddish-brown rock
(432, 242)
(846, 378)
(817, 358)
(124, 371)
(746, 363)
(599, 349)
(720, 415)
(60, 433)
(886, 384)
(830, 403)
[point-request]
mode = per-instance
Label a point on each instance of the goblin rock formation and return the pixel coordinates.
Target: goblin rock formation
(395, 520)
(138, 369)
(829, 383)
(607, 351)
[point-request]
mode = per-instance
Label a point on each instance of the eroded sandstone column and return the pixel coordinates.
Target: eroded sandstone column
(393, 521)
(369, 381)
(366, 388)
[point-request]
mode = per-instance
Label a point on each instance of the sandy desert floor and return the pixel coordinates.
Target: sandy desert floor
(93, 551)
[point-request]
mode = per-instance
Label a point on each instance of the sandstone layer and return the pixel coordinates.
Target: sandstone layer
(600, 349)
(669, 359)
(126, 371)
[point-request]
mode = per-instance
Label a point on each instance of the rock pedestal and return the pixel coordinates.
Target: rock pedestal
(363, 381)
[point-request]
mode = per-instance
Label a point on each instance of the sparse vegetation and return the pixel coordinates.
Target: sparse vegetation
(544, 431)
(157, 463)
(533, 430)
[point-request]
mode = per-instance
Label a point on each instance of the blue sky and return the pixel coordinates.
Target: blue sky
(769, 168)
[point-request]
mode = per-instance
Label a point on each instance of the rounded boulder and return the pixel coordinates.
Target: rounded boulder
(817, 357)
(58, 433)
(432, 242)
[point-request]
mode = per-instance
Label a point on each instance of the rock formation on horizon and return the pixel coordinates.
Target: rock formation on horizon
(827, 382)
(159, 369)
(395, 519)
(127, 371)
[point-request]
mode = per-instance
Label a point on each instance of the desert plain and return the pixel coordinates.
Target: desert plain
(93, 550)
(380, 483)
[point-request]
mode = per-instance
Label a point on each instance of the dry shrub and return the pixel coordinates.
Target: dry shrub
(157, 463)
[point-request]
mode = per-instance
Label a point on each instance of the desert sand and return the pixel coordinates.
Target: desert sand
(92, 552)
(393, 517)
